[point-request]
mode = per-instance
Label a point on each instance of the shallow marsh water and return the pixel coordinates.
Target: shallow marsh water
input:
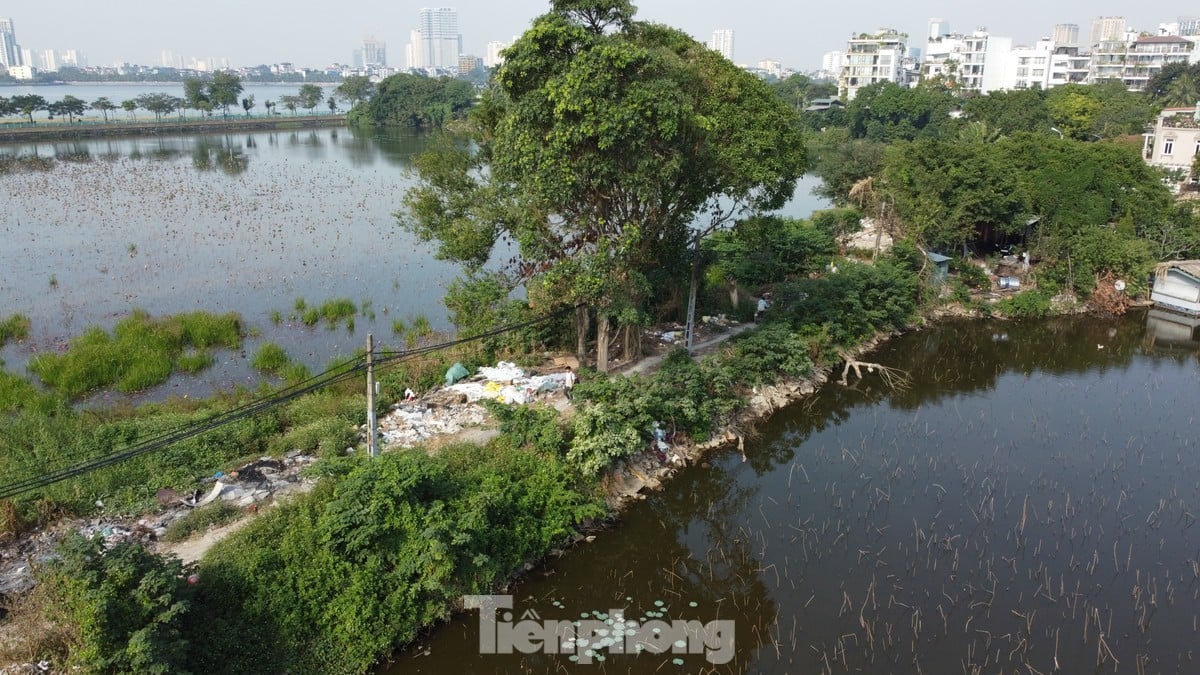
(227, 222)
(1029, 501)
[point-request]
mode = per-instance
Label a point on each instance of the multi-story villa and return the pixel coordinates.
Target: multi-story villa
(872, 58)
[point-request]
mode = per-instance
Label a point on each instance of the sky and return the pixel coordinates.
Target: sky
(315, 34)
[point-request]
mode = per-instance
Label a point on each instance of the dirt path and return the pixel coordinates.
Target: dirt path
(649, 363)
(193, 549)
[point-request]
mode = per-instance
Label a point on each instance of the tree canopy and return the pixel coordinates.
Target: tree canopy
(600, 142)
(409, 100)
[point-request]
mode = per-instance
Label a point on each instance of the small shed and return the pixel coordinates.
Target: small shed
(1177, 286)
(941, 266)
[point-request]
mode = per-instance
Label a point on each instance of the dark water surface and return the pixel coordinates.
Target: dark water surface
(1027, 504)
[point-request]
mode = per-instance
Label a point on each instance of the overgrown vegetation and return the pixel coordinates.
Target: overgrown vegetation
(15, 327)
(141, 352)
(330, 581)
(201, 519)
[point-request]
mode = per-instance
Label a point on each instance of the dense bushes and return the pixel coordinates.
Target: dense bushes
(855, 302)
(128, 605)
(334, 580)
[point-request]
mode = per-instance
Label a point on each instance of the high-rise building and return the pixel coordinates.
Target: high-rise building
(372, 54)
(871, 58)
(1066, 34)
(493, 59)
(1189, 26)
(722, 41)
(831, 64)
(49, 60)
(10, 51)
(1106, 29)
(436, 42)
(938, 28)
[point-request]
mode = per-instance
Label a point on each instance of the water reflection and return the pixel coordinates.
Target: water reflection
(1027, 504)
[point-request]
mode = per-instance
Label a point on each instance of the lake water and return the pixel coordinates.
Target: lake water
(228, 222)
(1029, 499)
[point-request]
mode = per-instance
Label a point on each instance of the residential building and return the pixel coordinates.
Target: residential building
(371, 55)
(1066, 34)
(1175, 139)
(722, 42)
(1134, 61)
(10, 51)
(436, 43)
(1106, 29)
(938, 28)
(49, 61)
(493, 58)
(1189, 26)
(978, 62)
(468, 64)
(1031, 67)
(771, 68)
(24, 72)
(831, 65)
(871, 58)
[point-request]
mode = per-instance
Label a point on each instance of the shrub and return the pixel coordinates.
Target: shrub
(855, 302)
(129, 606)
(1028, 304)
(969, 273)
(270, 358)
(15, 327)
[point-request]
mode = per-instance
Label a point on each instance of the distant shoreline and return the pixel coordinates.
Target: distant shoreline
(103, 83)
(65, 131)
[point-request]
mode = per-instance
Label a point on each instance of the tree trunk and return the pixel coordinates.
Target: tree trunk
(582, 325)
(633, 342)
(602, 340)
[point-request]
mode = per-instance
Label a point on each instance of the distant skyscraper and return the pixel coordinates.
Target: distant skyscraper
(1066, 34)
(372, 54)
(1189, 26)
(938, 28)
(722, 41)
(1107, 28)
(10, 51)
(436, 42)
(493, 58)
(49, 60)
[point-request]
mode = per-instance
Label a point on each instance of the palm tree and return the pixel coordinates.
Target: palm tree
(1182, 92)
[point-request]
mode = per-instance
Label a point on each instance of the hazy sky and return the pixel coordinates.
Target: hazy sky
(314, 34)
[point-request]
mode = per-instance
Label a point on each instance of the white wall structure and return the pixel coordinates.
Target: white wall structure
(1066, 34)
(978, 61)
(1135, 59)
(871, 58)
(1106, 29)
(832, 64)
(492, 58)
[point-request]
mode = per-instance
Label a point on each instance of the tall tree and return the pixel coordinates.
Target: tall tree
(72, 107)
(195, 93)
(129, 106)
(248, 104)
(310, 96)
(104, 105)
(355, 89)
(224, 89)
(600, 143)
(28, 104)
(158, 103)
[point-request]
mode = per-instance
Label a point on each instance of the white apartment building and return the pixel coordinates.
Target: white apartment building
(872, 58)
(832, 64)
(978, 61)
(1106, 29)
(1066, 34)
(492, 58)
(436, 43)
(722, 42)
(1135, 59)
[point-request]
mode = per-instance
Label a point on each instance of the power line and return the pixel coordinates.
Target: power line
(338, 373)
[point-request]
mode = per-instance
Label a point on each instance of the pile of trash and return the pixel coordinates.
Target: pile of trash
(410, 424)
(250, 484)
(455, 406)
(508, 383)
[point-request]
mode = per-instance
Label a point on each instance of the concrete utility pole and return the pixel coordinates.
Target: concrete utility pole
(690, 331)
(372, 425)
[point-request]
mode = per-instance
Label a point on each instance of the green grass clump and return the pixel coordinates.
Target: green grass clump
(202, 519)
(325, 437)
(141, 352)
(338, 310)
(311, 316)
(194, 361)
(15, 327)
(270, 358)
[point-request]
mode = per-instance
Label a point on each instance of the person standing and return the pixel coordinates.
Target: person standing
(569, 383)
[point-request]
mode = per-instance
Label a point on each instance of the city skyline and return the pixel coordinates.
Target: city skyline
(122, 31)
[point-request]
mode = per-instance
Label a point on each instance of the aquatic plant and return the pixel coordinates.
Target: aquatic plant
(15, 327)
(270, 358)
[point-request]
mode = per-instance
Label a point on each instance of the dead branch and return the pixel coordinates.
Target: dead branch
(892, 377)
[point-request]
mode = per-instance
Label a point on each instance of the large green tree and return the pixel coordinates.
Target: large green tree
(27, 104)
(224, 89)
(355, 89)
(409, 100)
(310, 96)
(600, 142)
(104, 105)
